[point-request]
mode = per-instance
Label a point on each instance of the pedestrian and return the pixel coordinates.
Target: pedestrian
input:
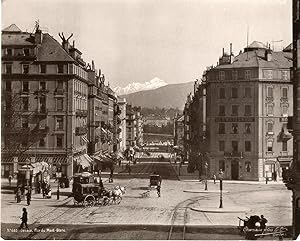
(28, 195)
(24, 219)
(119, 162)
(158, 188)
(215, 178)
(275, 176)
(263, 222)
(18, 195)
(9, 180)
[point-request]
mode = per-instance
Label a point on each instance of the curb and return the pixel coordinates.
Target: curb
(203, 191)
(221, 210)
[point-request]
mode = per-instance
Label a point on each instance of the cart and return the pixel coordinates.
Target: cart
(155, 180)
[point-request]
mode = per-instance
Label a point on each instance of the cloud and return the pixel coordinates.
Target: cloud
(135, 87)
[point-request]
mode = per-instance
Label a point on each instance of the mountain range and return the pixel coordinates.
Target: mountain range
(168, 96)
(135, 87)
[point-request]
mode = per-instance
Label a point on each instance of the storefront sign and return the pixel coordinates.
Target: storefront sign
(235, 119)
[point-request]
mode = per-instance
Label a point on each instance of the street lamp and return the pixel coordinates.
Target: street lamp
(221, 187)
(206, 166)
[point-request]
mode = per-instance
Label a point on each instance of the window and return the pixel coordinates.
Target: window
(8, 68)
(59, 141)
(9, 52)
(248, 92)
(285, 110)
(24, 122)
(234, 110)
(222, 75)
(59, 104)
(284, 93)
(60, 68)
(267, 74)
(222, 93)
(222, 165)
(43, 104)
(221, 110)
(59, 123)
(284, 145)
(60, 85)
(247, 110)
(221, 128)
(234, 93)
(26, 52)
(270, 146)
(270, 127)
(8, 86)
(25, 86)
(247, 128)
(42, 142)
(42, 85)
(43, 68)
(221, 145)
(284, 75)
(248, 146)
(270, 92)
(270, 110)
(235, 146)
(247, 74)
(25, 68)
(234, 128)
(25, 102)
(248, 166)
(234, 75)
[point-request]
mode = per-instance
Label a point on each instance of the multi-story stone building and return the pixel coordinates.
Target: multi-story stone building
(179, 131)
(293, 179)
(134, 126)
(187, 127)
(122, 123)
(51, 80)
(249, 99)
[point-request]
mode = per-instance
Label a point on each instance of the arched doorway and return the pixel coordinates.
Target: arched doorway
(234, 169)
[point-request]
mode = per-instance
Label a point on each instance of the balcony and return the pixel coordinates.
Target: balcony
(59, 92)
(82, 113)
(41, 112)
(41, 91)
(79, 131)
(19, 57)
(234, 154)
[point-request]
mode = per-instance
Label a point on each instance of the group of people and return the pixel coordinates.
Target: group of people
(20, 192)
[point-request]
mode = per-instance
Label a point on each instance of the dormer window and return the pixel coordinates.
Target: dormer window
(60, 68)
(26, 52)
(43, 68)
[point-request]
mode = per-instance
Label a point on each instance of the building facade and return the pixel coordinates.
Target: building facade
(249, 99)
(122, 117)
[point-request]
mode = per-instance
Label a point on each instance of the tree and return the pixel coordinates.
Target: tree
(20, 126)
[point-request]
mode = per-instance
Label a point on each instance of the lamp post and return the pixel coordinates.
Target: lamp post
(221, 187)
(206, 166)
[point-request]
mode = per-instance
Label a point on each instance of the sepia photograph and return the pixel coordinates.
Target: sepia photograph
(150, 120)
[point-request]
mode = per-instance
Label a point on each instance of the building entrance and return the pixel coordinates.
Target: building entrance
(234, 169)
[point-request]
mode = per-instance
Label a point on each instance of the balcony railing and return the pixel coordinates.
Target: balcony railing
(41, 91)
(41, 111)
(59, 92)
(82, 113)
(234, 154)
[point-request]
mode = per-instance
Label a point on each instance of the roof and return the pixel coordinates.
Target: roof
(288, 48)
(256, 58)
(17, 38)
(51, 50)
(257, 45)
(12, 28)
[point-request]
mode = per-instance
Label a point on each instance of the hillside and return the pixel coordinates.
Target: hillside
(169, 96)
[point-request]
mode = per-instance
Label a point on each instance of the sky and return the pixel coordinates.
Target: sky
(138, 40)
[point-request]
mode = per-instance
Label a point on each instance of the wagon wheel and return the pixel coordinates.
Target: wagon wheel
(89, 201)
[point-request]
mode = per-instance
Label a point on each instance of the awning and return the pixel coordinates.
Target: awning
(83, 160)
(284, 161)
(84, 139)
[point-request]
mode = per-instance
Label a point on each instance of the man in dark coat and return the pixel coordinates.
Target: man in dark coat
(24, 219)
(28, 196)
(263, 222)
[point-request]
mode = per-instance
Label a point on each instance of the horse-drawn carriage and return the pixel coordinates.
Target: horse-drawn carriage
(89, 194)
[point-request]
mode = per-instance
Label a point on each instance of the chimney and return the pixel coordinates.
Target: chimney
(268, 55)
(38, 36)
(66, 45)
(230, 53)
(223, 52)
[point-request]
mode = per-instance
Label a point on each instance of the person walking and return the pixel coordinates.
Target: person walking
(9, 180)
(215, 178)
(28, 196)
(158, 189)
(24, 219)
(18, 195)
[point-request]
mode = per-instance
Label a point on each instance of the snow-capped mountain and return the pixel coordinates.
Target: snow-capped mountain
(135, 87)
